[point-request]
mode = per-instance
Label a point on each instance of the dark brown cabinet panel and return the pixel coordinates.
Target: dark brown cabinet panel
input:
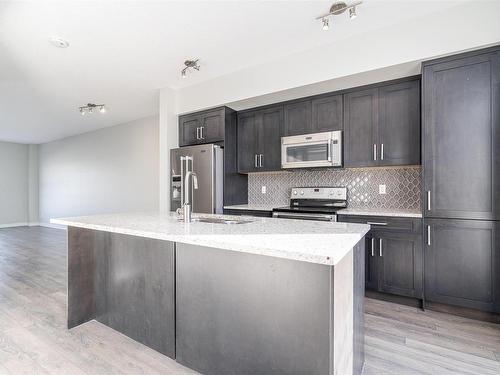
(247, 143)
(259, 142)
(461, 133)
(327, 114)
(297, 118)
(399, 124)
(400, 263)
(202, 127)
(361, 128)
(394, 256)
(371, 262)
(462, 263)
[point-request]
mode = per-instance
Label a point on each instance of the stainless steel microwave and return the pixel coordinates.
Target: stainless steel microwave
(312, 150)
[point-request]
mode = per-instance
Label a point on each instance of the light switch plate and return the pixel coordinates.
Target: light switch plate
(381, 189)
(263, 190)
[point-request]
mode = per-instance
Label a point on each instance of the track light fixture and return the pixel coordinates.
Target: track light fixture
(89, 108)
(189, 64)
(337, 9)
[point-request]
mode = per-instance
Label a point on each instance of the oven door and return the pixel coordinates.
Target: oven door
(312, 150)
(305, 216)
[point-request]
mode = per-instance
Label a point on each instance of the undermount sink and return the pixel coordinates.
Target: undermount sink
(219, 220)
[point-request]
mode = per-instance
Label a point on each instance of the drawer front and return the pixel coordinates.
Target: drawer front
(248, 212)
(386, 223)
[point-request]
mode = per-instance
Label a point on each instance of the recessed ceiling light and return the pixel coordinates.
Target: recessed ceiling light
(59, 42)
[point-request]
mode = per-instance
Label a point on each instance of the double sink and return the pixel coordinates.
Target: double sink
(219, 220)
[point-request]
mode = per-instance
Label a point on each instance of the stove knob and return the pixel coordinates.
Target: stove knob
(295, 192)
(301, 193)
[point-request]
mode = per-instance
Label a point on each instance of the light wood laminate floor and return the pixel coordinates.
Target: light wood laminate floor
(34, 339)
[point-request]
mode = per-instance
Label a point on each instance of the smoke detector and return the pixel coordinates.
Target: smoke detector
(59, 42)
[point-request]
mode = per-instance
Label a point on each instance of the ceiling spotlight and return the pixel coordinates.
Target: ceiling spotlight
(337, 9)
(188, 64)
(326, 24)
(352, 13)
(89, 108)
(59, 42)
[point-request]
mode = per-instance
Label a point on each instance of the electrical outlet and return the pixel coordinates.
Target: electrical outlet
(381, 189)
(263, 190)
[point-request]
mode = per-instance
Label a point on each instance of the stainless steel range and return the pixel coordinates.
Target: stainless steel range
(314, 203)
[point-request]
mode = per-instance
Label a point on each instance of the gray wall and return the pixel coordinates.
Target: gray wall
(14, 166)
(110, 170)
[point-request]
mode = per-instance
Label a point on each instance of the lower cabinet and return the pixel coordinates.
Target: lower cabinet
(462, 263)
(395, 263)
(394, 256)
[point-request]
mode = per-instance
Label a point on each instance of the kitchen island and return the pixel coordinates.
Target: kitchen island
(242, 296)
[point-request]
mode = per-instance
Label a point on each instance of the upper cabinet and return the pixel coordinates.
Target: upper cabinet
(316, 115)
(382, 125)
(461, 136)
(202, 127)
(259, 142)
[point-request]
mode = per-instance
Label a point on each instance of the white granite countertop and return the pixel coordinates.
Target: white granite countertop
(346, 211)
(380, 212)
(308, 241)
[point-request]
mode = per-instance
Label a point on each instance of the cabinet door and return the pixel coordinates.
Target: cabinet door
(269, 140)
(361, 124)
(327, 114)
(371, 272)
(189, 129)
(462, 138)
(400, 267)
(297, 118)
(462, 263)
(399, 124)
(212, 124)
(247, 140)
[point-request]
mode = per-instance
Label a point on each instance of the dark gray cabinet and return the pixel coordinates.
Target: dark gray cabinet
(461, 136)
(202, 127)
(394, 257)
(361, 128)
(382, 125)
(259, 142)
(320, 114)
(462, 263)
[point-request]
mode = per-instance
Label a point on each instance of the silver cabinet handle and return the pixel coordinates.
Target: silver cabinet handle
(382, 151)
(375, 223)
(201, 132)
(428, 235)
(255, 161)
(374, 152)
(373, 247)
(428, 200)
(197, 133)
(260, 160)
(380, 246)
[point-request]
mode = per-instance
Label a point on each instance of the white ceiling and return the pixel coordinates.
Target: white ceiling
(121, 53)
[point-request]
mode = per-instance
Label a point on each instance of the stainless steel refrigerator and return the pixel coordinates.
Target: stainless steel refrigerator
(208, 164)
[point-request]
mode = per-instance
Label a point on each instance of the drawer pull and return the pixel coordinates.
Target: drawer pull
(375, 223)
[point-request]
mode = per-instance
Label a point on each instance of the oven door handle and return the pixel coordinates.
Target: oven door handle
(318, 217)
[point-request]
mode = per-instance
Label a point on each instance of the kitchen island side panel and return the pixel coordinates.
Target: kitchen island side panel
(244, 314)
(125, 282)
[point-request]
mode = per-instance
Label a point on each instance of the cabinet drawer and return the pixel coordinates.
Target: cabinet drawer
(386, 223)
(248, 212)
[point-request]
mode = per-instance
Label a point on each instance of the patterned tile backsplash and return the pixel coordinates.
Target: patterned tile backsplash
(402, 186)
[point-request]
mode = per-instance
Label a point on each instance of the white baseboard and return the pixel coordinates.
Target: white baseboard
(53, 226)
(12, 225)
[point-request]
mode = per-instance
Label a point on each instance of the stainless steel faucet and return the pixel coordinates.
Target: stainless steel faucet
(188, 208)
(187, 189)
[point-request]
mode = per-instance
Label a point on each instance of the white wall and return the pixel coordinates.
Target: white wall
(14, 164)
(105, 171)
(465, 26)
